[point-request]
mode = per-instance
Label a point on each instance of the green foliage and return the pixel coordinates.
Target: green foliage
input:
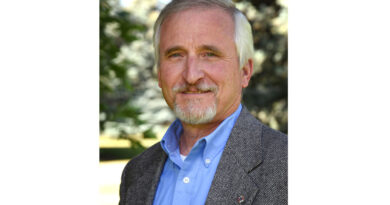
(266, 95)
(117, 29)
(149, 134)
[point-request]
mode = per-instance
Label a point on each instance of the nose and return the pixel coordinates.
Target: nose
(193, 71)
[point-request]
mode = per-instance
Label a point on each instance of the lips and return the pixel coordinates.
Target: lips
(195, 92)
(201, 88)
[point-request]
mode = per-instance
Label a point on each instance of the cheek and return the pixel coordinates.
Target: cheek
(167, 73)
(166, 85)
(223, 75)
(229, 84)
(215, 71)
(171, 69)
(169, 77)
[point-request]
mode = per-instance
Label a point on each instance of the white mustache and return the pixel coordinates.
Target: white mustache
(200, 87)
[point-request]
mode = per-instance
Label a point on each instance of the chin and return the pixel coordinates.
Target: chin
(191, 113)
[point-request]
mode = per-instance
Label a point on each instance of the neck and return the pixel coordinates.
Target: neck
(192, 133)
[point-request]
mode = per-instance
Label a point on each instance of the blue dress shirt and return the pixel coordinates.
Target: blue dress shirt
(189, 181)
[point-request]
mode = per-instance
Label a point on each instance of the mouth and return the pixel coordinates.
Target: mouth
(199, 90)
(195, 92)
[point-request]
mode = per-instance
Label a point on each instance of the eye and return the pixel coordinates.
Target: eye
(208, 54)
(175, 55)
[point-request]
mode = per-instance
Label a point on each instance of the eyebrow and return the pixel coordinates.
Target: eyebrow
(210, 48)
(173, 49)
(200, 48)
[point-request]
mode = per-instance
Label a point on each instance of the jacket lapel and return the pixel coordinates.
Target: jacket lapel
(146, 181)
(152, 183)
(232, 182)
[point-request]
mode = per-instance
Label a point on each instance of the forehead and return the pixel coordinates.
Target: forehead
(199, 23)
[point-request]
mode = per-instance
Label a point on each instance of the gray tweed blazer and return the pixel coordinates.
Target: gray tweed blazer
(252, 169)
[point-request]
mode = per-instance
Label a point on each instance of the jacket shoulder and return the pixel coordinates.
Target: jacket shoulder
(140, 176)
(274, 140)
(143, 160)
(258, 135)
(272, 174)
(270, 139)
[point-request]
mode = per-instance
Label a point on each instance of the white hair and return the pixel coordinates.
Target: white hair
(242, 34)
(191, 115)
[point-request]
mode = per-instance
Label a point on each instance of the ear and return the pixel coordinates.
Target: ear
(246, 73)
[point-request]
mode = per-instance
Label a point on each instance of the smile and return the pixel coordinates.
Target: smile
(195, 92)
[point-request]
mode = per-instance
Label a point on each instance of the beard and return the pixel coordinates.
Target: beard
(193, 111)
(190, 114)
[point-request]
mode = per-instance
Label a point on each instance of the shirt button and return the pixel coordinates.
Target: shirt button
(207, 161)
(186, 180)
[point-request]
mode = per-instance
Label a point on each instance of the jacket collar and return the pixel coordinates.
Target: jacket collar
(241, 155)
(244, 141)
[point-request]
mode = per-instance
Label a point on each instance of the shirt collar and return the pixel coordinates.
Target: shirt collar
(170, 141)
(214, 142)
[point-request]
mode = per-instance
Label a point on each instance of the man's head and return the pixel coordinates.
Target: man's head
(203, 52)
(242, 31)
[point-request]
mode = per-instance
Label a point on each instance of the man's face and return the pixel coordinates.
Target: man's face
(199, 68)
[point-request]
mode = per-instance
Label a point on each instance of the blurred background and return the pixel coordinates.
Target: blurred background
(133, 113)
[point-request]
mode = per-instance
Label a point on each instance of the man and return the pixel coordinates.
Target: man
(215, 152)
